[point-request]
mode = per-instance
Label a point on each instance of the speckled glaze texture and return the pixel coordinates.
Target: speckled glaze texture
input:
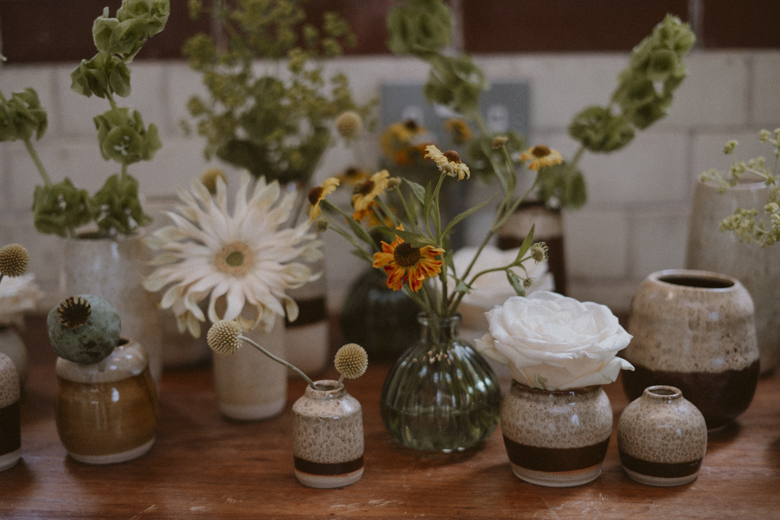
(757, 268)
(662, 438)
(112, 269)
(106, 412)
(694, 330)
(10, 420)
(571, 425)
(250, 385)
(327, 436)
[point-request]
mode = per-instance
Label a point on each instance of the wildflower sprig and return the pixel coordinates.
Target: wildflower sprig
(61, 208)
(745, 223)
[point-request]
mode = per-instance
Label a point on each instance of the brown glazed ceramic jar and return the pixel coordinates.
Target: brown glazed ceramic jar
(107, 412)
(694, 330)
(10, 422)
(327, 436)
(662, 438)
(556, 438)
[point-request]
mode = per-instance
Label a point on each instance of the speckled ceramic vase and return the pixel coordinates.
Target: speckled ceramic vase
(556, 438)
(106, 412)
(327, 436)
(10, 421)
(757, 268)
(11, 345)
(694, 330)
(251, 386)
(112, 269)
(662, 438)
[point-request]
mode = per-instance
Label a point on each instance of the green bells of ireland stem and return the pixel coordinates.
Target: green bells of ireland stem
(123, 137)
(22, 117)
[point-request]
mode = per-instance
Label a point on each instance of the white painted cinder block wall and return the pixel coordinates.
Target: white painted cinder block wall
(636, 219)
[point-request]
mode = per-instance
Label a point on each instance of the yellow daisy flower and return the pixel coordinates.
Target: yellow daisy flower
(448, 162)
(403, 262)
(458, 129)
(369, 190)
(353, 176)
(541, 156)
(317, 195)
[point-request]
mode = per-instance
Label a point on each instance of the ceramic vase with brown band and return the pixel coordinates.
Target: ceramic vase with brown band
(662, 438)
(106, 412)
(556, 438)
(10, 419)
(327, 436)
(694, 330)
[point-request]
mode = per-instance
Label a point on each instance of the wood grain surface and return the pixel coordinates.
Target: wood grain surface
(205, 466)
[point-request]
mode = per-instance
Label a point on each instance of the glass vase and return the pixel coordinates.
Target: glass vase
(441, 395)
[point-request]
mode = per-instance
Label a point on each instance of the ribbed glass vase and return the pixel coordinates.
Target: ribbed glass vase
(441, 395)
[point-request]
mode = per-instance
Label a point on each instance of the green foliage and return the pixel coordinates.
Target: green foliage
(62, 208)
(273, 119)
(562, 185)
(420, 27)
(484, 159)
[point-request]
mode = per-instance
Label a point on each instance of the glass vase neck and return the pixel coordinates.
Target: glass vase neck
(439, 329)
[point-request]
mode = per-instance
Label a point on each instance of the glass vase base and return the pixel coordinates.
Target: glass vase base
(328, 481)
(557, 478)
(114, 458)
(660, 481)
(9, 460)
(455, 432)
(253, 412)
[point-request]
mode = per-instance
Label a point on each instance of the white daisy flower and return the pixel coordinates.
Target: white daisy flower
(247, 260)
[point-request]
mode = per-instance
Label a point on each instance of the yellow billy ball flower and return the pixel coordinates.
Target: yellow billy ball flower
(351, 361)
(223, 337)
(14, 260)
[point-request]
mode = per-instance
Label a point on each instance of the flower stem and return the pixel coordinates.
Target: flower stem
(279, 360)
(37, 160)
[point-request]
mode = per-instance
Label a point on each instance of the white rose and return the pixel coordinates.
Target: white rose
(553, 342)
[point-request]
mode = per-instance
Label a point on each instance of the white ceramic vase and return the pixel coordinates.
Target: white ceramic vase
(113, 269)
(11, 345)
(251, 386)
(307, 339)
(757, 268)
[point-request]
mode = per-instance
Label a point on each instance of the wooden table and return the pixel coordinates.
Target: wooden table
(204, 466)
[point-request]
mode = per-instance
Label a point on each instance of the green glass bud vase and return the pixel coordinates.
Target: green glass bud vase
(441, 395)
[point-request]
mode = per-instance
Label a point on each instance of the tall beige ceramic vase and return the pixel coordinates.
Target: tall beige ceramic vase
(251, 386)
(757, 268)
(307, 338)
(113, 269)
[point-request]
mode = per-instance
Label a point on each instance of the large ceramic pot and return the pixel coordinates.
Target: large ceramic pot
(251, 386)
(758, 269)
(694, 330)
(113, 269)
(441, 395)
(556, 438)
(106, 412)
(327, 436)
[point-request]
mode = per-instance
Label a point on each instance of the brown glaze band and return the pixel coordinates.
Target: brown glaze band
(719, 396)
(659, 469)
(555, 459)
(319, 468)
(10, 428)
(309, 311)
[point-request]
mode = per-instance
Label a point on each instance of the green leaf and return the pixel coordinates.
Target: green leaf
(462, 287)
(414, 239)
(418, 190)
(527, 243)
(465, 214)
(427, 203)
(516, 282)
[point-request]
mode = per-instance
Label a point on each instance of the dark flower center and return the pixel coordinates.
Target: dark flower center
(452, 156)
(314, 195)
(365, 188)
(540, 151)
(405, 255)
(411, 125)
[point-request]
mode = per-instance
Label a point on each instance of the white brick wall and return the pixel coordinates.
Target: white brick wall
(635, 223)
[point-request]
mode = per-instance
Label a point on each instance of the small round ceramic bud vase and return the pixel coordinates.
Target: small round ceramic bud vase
(106, 412)
(694, 330)
(662, 438)
(556, 438)
(10, 422)
(327, 436)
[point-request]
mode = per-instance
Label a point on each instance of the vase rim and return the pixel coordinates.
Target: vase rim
(695, 279)
(662, 392)
(747, 182)
(326, 389)
(569, 391)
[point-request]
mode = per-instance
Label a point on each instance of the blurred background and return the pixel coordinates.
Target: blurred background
(569, 52)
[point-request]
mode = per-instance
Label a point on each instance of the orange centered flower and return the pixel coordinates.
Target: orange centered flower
(541, 156)
(403, 262)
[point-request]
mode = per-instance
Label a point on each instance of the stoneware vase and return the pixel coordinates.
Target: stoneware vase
(757, 268)
(112, 269)
(251, 386)
(11, 345)
(308, 337)
(10, 421)
(327, 436)
(581, 420)
(662, 438)
(106, 412)
(441, 394)
(694, 330)
(548, 228)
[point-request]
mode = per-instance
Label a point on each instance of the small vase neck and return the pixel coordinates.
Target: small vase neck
(661, 393)
(438, 329)
(326, 389)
